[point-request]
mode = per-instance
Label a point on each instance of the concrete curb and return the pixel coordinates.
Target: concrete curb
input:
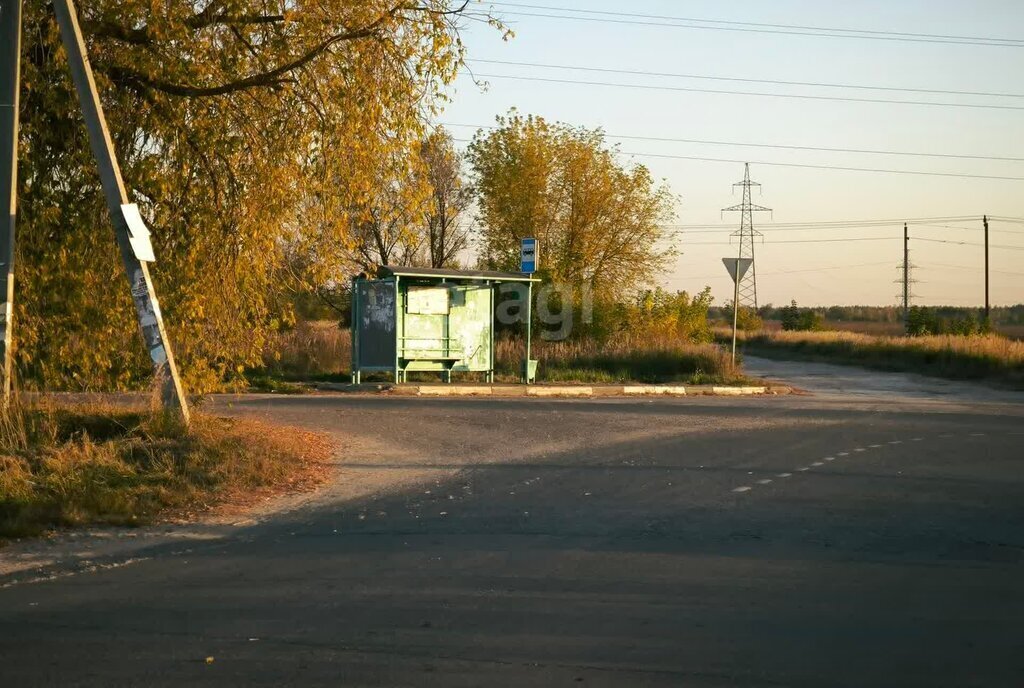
(553, 391)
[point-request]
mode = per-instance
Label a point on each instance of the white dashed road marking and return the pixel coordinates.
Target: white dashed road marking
(804, 469)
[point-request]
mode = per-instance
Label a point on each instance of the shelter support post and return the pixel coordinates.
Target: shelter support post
(353, 328)
(399, 334)
(492, 288)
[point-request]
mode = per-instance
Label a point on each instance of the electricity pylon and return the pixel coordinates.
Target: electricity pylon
(747, 234)
(129, 227)
(906, 279)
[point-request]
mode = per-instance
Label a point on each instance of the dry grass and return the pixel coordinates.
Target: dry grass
(65, 464)
(321, 350)
(623, 358)
(981, 357)
(311, 349)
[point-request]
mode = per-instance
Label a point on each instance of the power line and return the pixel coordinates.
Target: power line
(974, 268)
(828, 167)
(970, 243)
(852, 223)
(755, 27)
(792, 272)
(809, 166)
(632, 72)
(771, 145)
(849, 239)
(798, 241)
(689, 89)
(768, 228)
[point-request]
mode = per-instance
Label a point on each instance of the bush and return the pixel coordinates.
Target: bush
(747, 320)
(796, 319)
(922, 322)
(664, 315)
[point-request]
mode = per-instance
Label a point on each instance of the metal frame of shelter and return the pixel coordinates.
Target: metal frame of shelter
(430, 320)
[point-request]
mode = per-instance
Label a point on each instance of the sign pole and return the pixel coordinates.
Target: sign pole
(10, 79)
(735, 315)
(528, 266)
(529, 328)
(130, 240)
(737, 268)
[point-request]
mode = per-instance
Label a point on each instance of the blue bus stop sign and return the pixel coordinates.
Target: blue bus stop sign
(528, 256)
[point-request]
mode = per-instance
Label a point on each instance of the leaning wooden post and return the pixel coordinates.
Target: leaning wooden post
(131, 233)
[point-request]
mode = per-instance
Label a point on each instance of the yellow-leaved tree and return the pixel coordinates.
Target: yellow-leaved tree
(252, 133)
(599, 223)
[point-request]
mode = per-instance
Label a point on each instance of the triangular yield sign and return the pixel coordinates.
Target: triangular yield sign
(737, 267)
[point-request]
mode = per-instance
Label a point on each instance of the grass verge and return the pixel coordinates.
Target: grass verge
(622, 359)
(321, 351)
(65, 465)
(989, 358)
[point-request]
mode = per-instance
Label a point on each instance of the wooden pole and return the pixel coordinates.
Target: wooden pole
(147, 307)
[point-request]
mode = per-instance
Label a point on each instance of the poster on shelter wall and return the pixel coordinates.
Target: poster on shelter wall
(428, 301)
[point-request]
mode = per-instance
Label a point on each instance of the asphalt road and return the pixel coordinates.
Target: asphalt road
(857, 537)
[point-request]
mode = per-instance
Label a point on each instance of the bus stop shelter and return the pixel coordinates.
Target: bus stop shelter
(430, 320)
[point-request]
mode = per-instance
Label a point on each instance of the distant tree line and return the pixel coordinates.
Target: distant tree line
(922, 320)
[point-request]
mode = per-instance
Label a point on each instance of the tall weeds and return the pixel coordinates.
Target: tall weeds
(958, 357)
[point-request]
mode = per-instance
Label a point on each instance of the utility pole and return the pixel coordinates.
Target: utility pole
(10, 78)
(988, 306)
(748, 285)
(906, 274)
(129, 228)
(906, 279)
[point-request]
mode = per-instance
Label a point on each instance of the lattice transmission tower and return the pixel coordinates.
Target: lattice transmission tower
(747, 234)
(906, 279)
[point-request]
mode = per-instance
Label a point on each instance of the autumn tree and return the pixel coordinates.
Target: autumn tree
(447, 225)
(387, 224)
(599, 222)
(248, 131)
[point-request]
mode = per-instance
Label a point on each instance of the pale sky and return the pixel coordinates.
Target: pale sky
(864, 270)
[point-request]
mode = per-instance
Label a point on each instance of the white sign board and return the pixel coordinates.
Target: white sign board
(138, 234)
(737, 267)
(428, 300)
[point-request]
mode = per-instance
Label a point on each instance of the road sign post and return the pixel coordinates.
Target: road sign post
(528, 265)
(737, 268)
